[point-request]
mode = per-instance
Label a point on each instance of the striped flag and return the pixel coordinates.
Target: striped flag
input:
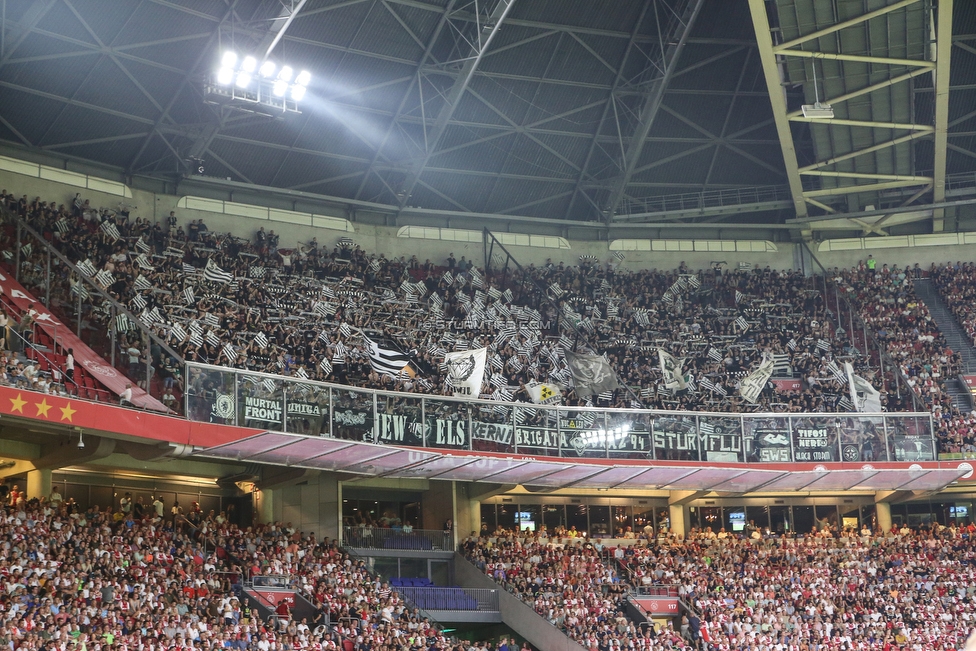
(78, 289)
(143, 262)
(122, 323)
(374, 264)
(345, 330)
(641, 317)
(196, 338)
(188, 296)
(104, 278)
(741, 323)
(177, 332)
(261, 340)
(556, 290)
(714, 355)
(212, 338)
(110, 229)
(301, 373)
(707, 384)
(791, 344)
(385, 361)
(189, 268)
(142, 284)
(325, 366)
(87, 268)
(62, 225)
(27, 249)
(139, 303)
(142, 246)
(738, 296)
(215, 274)
(229, 352)
(211, 320)
(618, 255)
(823, 344)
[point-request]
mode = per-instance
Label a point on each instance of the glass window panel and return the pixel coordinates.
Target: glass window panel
(826, 516)
(536, 432)
(529, 517)
(576, 517)
(488, 521)
(643, 518)
(492, 429)
(850, 518)
(211, 396)
(758, 516)
(398, 421)
(600, 521)
(909, 438)
(583, 433)
(553, 515)
(862, 439)
(506, 516)
(815, 439)
(675, 438)
(623, 521)
(803, 518)
(260, 402)
(779, 519)
(720, 438)
(352, 418)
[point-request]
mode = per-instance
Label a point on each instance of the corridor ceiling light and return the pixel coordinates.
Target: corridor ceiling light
(297, 92)
(243, 79)
(303, 78)
(285, 74)
(250, 64)
(229, 60)
(225, 76)
(280, 88)
(267, 69)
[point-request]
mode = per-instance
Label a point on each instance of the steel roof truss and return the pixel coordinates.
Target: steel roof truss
(943, 41)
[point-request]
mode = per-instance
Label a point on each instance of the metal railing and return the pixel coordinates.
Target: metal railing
(279, 581)
(382, 538)
(456, 599)
(285, 404)
(706, 199)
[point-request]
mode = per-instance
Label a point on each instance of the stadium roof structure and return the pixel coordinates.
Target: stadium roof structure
(668, 112)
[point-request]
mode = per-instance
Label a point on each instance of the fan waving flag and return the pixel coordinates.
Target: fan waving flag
(386, 361)
(543, 393)
(215, 274)
(466, 371)
(592, 374)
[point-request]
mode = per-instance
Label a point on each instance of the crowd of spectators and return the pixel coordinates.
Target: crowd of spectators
(852, 589)
(141, 577)
(304, 310)
(957, 286)
(903, 326)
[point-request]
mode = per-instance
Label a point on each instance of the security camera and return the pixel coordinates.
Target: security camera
(81, 440)
(81, 444)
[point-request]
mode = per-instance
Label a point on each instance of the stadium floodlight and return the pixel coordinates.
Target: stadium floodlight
(229, 60)
(303, 78)
(243, 79)
(249, 81)
(249, 64)
(285, 74)
(267, 69)
(280, 88)
(297, 92)
(225, 76)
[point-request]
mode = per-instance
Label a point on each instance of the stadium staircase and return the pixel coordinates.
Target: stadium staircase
(955, 336)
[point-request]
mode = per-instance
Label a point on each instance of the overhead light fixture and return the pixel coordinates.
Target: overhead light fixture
(249, 64)
(297, 92)
(267, 68)
(280, 88)
(243, 79)
(303, 78)
(225, 76)
(817, 111)
(285, 74)
(229, 60)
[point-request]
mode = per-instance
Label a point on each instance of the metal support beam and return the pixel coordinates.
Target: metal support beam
(454, 95)
(843, 25)
(860, 58)
(777, 98)
(870, 187)
(279, 26)
(864, 175)
(868, 124)
(652, 103)
(861, 152)
(943, 53)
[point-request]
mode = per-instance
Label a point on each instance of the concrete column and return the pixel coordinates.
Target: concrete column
(883, 512)
(39, 483)
(468, 512)
(679, 519)
(437, 505)
(265, 505)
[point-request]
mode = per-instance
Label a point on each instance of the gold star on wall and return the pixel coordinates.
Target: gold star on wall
(17, 404)
(42, 407)
(67, 412)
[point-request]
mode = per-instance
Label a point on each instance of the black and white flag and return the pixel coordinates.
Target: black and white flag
(104, 278)
(592, 374)
(385, 361)
(143, 262)
(142, 246)
(142, 284)
(261, 340)
(110, 230)
(86, 267)
(188, 296)
(752, 385)
(230, 353)
(215, 274)
(714, 355)
(122, 323)
(177, 332)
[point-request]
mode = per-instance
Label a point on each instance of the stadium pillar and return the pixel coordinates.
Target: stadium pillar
(883, 512)
(39, 483)
(265, 505)
(678, 510)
